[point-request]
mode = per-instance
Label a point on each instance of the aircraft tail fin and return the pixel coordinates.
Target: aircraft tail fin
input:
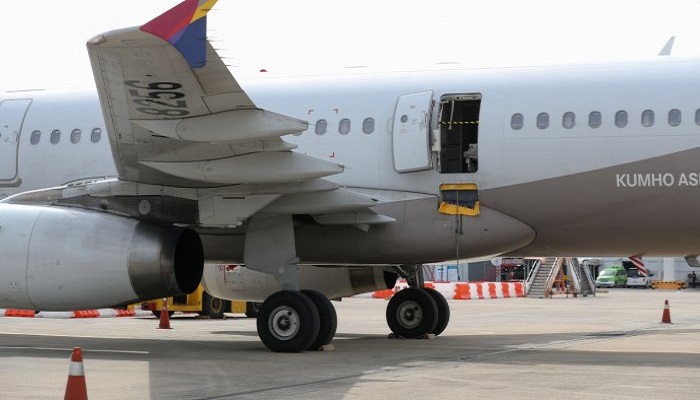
(666, 50)
(185, 27)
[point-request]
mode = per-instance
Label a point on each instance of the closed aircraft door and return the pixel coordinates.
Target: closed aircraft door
(12, 114)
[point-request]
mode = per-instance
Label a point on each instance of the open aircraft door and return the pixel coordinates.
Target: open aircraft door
(12, 114)
(411, 132)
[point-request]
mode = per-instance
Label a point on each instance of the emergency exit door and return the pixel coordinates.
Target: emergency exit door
(12, 114)
(411, 132)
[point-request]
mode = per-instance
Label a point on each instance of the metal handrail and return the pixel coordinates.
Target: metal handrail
(552, 275)
(574, 271)
(589, 276)
(531, 276)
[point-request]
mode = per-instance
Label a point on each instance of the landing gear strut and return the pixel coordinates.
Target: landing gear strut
(416, 311)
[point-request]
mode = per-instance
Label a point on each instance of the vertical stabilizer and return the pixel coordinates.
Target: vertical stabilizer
(185, 27)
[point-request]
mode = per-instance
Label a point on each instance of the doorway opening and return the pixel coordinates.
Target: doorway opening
(459, 133)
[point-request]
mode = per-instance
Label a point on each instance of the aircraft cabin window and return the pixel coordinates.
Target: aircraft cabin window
(55, 136)
(621, 119)
(35, 138)
(75, 136)
(647, 118)
(368, 125)
(321, 127)
(517, 121)
(595, 119)
(674, 117)
(568, 120)
(542, 120)
(344, 126)
(96, 135)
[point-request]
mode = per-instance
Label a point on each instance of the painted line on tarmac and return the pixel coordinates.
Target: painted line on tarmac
(66, 349)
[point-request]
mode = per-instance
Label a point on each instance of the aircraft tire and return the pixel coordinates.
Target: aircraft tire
(443, 309)
(252, 309)
(213, 307)
(412, 313)
(327, 315)
(288, 322)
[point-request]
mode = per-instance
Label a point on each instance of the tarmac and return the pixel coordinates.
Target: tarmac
(611, 346)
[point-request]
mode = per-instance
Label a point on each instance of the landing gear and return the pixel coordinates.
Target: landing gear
(288, 322)
(411, 313)
(252, 309)
(443, 311)
(417, 311)
(327, 315)
(291, 321)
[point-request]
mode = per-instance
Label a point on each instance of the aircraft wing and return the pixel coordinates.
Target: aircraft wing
(177, 117)
(190, 146)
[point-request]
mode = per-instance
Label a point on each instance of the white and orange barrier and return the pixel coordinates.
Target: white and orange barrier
(102, 313)
(462, 290)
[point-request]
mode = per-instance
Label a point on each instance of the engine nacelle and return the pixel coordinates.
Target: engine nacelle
(66, 259)
(233, 282)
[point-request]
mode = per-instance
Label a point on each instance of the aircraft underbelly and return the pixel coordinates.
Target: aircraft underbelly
(420, 234)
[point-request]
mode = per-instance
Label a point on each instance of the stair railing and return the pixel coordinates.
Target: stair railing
(575, 274)
(556, 266)
(531, 277)
(589, 276)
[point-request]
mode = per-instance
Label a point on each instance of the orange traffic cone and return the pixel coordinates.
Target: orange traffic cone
(666, 317)
(164, 317)
(75, 388)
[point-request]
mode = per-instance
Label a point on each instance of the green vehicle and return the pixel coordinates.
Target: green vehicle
(613, 276)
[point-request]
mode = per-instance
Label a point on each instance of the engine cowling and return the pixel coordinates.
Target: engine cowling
(66, 259)
(233, 282)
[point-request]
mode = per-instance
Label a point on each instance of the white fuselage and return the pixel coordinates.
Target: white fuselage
(507, 157)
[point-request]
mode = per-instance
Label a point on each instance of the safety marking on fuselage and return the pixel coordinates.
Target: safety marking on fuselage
(459, 123)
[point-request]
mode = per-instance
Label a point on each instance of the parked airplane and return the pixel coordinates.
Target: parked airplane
(329, 186)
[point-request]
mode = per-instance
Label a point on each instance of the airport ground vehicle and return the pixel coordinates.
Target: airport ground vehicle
(202, 303)
(613, 276)
(637, 279)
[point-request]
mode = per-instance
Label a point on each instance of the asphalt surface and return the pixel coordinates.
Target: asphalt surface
(609, 346)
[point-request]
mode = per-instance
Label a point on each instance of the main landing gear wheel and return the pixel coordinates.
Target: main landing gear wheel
(252, 309)
(412, 313)
(443, 309)
(329, 319)
(288, 322)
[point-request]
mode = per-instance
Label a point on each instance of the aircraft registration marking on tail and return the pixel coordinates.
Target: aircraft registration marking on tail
(162, 100)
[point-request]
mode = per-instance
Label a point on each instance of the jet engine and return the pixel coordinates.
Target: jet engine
(236, 282)
(55, 258)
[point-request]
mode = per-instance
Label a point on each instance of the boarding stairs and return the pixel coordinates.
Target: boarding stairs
(548, 270)
(582, 277)
(540, 281)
